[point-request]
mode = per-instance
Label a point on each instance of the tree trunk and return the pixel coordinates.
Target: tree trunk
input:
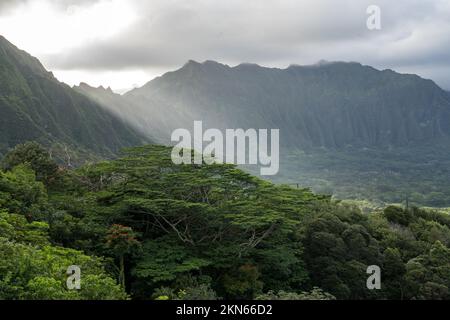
(122, 272)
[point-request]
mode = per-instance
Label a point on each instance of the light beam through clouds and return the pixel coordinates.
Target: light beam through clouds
(121, 43)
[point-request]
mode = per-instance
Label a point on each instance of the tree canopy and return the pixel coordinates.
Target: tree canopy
(141, 227)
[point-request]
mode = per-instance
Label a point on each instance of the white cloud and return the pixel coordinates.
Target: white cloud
(119, 36)
(44, 27)
(120, 81)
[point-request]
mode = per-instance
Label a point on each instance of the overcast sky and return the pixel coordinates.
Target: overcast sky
(123, 44)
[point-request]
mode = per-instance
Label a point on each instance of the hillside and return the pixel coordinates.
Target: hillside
(141, 227)
(36, 106)
(331, 105)
(346, 129)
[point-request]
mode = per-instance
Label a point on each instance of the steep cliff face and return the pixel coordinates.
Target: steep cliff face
(332, 105)
(35, 106)
(345, 129)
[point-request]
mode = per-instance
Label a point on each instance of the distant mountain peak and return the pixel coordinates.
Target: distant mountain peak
(86, 86)
(195, 65)
(22, 58)
(247, 65)
(329, 104)
(213, 63)
(206, 63)
(328, 63)
(215, 66)
(191, 63)
(4, 40)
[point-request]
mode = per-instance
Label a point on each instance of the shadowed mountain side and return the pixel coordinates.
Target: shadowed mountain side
(36, 106)
(329, 105)
(345, 129)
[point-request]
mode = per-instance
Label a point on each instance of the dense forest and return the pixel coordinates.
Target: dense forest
(346, 129)
(140, 227)
(419, 177)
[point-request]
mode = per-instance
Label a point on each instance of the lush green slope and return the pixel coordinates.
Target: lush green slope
(119, 106)
(332, 105)
(346, 129)
(35, 106)
(203, 232)
(418, 175)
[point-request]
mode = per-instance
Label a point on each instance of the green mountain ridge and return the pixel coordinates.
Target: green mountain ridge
(345, 129)
(36, 106)
(141, 227)
(331, 105)
(118, 106)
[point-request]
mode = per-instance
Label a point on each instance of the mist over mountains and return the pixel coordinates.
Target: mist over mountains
(315, 161)
(34, 105)
(331, 105)
(345, 128)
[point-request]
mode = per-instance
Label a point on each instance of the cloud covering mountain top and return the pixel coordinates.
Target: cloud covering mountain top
(135, 40)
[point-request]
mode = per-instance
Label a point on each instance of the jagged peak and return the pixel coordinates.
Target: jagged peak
(247, 65)
(8, 44)
(207, 63)
(332, 66)
(325, 63)
(23, 58)
(85, 86)
(191, 63)
(213, 62)
(320, 63)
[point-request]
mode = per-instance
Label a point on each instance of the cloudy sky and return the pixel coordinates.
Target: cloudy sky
(123, 44)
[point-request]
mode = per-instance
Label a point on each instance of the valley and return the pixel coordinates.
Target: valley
(93, 192)
(345, 129)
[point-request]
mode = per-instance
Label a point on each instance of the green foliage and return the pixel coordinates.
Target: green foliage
(202, 292)
(36, 157)
(165, 259)
(397, 215)
(31, 268)
(121, 241)
(414, 174)
(15, 228)
(314, 294)
(207, 232)
(244, 282)
(428, 276)
(21, 193)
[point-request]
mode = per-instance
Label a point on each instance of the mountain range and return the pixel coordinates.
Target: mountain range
(333, 105)
(345, 128)
(34, 105)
